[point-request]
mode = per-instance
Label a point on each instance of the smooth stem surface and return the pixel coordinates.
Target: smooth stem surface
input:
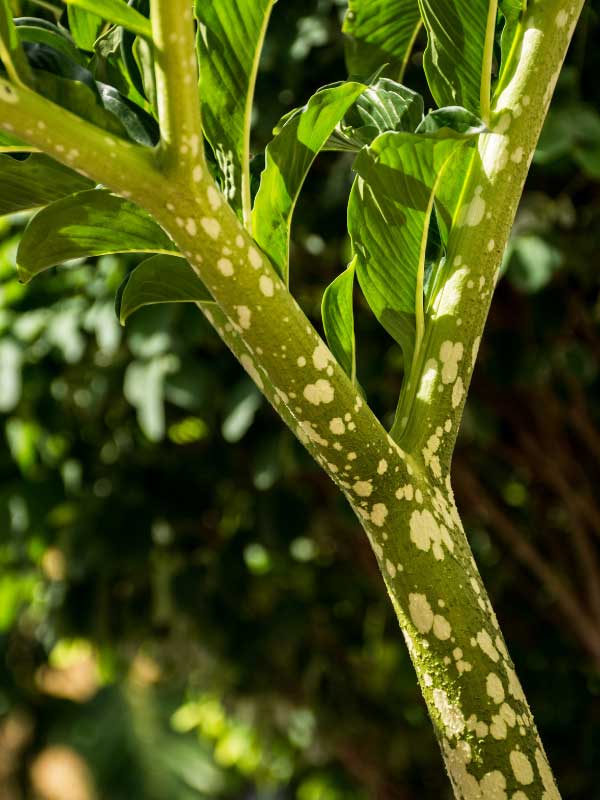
(176, 71)
(402, 497)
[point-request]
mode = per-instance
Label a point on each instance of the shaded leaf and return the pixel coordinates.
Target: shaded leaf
(37, 31)
(230, 39)
(380, 32)
(34, 182)
(288, 159)
(454, 118)
(11, 52)
(90, 223)
(337, 310)
(159, 279)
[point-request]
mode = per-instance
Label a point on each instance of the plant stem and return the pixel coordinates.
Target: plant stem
(176, 70)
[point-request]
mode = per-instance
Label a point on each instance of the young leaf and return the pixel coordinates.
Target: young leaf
(90, 223)
(159, 279)
(84, 26)
(230, 39)
(117, 12)
(34, 182)
(384, 106)
(513, 12)
(380, 32)
(337, 310)
(288, 158)
(458, 58)
(389, 215)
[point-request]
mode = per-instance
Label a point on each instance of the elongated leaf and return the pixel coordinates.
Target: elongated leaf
(37, 31)
(380, 32)
(337, 311)
(288, 159)
(456, 57)
(34, 182)
(160, 279)
(10, 144)
(90, 223)
(389, 215)
(513, 12)
(11, 53)
(117, 12)
(84, 26)
(230, 38)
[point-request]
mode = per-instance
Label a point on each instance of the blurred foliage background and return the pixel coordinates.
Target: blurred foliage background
(188, 609)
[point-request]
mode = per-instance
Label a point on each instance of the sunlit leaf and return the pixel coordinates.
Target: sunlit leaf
(117, 12)
(230, 39)
(160, 279)
(84, 26)
(338, 320)
(380, 32)
(456, 59)
(288, 159)
(389, 216)
(34, 182)
(89, 223)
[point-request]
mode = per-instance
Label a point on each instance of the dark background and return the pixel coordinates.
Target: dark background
(188, 609)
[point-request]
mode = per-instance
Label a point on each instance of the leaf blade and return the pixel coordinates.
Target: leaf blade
(289, 157)
(160, 279)
(90, 223)
(118, 13)
(230, 38)
(380, 32)
(337, 311)
(34, 182)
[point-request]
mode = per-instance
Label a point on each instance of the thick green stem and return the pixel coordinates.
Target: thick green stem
(176, 72)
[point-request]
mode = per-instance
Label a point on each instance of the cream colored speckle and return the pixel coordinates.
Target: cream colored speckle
(250, 368)
(336, 426)
(197, 173)
(485, 643)
(517, 155)
(378, 515)
(390, 568)
(244, 316)
(441, 627)
(420, 612)
(382, 467)
(319, 392)
(321, 356)
(214, 197)
(211, 226)
(254, 257)
(266, 286)
(494, 688)
(190, 226)
(458, 391)
(475, 210)
(561, 19)
(363, 488)
(451, 715)
(450, 354)
(225, 267)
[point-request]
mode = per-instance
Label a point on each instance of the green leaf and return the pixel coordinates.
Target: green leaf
(90, 223)
(84, 26)
(117, 12)
(457, 60)
(160, 279)
(513, 12)
(288, 158)
(11, 52)
(230, 39)
(34, 182)
(380, 32)
(453, 118)
(10, 144)
(384, 106)
(389, 216)
(37, 31)
(337, 310)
